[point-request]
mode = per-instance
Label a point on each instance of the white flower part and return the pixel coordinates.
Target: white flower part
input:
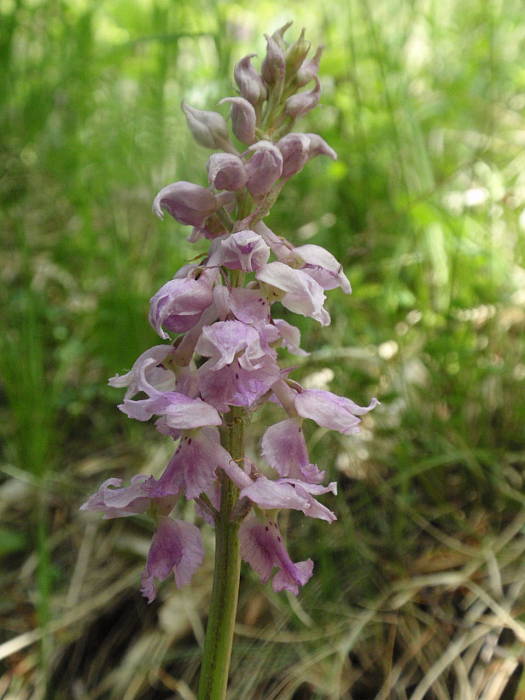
(302, 294)
(146, 375)
(323, 267)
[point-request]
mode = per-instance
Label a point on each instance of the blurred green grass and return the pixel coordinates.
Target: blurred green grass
(423, 102)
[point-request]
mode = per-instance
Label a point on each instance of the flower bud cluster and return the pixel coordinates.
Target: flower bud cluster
(224, 347)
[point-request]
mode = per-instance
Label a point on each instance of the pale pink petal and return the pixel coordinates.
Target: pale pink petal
(188, 203)
(288, 493)
(181, 412)
(223, 341)
(323, 267)
(179, 304)
(262, 547)
(176, 548)
(244, 250)
(302, 294)
(291, 337)
(115, 500)
(146, 375)
(282, 248)
(284, 447)
(248, 306)
(192, 467)
(235, 386)
(330, 410)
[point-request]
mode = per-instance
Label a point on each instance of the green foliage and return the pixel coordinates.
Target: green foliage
(424, 207)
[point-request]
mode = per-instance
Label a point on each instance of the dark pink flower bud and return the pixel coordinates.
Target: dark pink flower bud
(244, 119)
(264, 167)
(295, 151)
(300, 104)
(188, 203)
(309, 69)
(226, 172)
(249, 81)
(209, 129)
(274, 65)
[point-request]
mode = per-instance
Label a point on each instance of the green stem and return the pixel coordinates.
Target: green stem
(223, 606)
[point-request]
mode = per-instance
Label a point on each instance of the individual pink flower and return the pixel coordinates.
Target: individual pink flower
(192, 467)
(290, 493)
(323, 267)
(148, 374)
(235, 386)
(116, 501)
(330, 410)
(301, 293)
(180, 412)
(262, 547)
(284, 448)
(225, 341)
(176, 548)
(244, 250)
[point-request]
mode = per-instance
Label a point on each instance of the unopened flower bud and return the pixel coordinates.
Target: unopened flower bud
(249, 81)
(278, 35)
(295, 152)
(209, 129)
(244, 119)
(296, 54)
(187, 203)
(309, 69)
(319, 147)
(300, 104)
(264, 167)
(274, 65)
(298, 149)
(226, 172)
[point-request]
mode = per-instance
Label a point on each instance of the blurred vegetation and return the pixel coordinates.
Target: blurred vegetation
(417, 590)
